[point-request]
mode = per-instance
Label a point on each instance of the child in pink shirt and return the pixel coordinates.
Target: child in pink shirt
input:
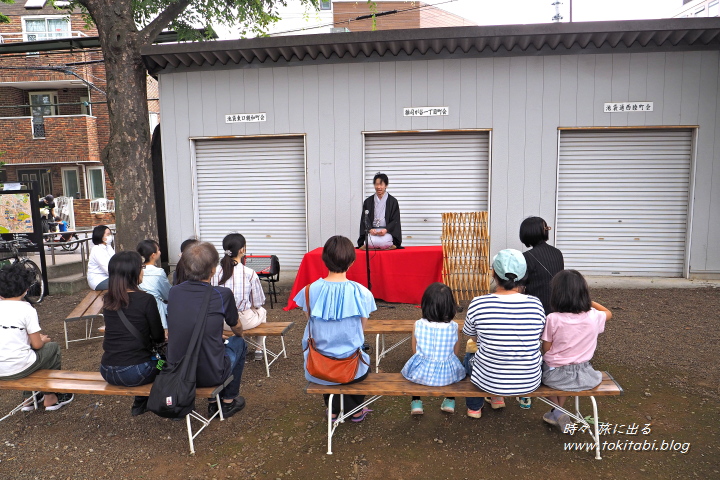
(569, 341)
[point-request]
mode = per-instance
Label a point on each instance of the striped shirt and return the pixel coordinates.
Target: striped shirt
(507, 330)
(543, 262)
(245, 285)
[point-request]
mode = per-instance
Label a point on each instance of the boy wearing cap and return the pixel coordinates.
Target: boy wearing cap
(506, 325)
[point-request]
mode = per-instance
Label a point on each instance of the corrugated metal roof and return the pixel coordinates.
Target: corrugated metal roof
(553, 38)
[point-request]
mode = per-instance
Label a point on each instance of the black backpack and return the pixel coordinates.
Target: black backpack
(173, 393)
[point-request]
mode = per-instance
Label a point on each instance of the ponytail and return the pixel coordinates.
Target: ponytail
(511, 283)
(232, 244)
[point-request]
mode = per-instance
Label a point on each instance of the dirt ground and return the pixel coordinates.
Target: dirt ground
(661, 346)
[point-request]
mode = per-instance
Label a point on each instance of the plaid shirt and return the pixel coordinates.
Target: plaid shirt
(434, 362)
(245, 285)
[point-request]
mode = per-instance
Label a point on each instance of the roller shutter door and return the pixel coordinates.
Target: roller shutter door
(623, 201)
(430, 173)
(255, 187)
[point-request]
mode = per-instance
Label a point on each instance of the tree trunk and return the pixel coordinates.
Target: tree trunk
(127, 155)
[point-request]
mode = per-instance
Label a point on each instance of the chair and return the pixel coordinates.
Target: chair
(267, 268)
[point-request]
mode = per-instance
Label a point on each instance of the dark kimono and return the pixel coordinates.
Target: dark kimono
(392, 219)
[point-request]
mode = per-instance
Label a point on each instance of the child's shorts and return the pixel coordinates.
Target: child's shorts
(571, 378)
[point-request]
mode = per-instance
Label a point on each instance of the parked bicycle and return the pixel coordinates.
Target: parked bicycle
(63, 237)
(36, 292)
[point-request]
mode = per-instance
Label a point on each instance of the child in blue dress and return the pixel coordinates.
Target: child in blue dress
(435, 344)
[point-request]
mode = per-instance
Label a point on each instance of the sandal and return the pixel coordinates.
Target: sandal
(362, 415)
(496, 402)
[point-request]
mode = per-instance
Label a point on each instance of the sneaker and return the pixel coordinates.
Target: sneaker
(448, 405)
(495, 402)
(525, 402)
(139, 406)
(212, 408)
(62, 400)
(416, 407)
(549, 417)
(29, 406)
(230, 409)
(474, 413)
(563, 421)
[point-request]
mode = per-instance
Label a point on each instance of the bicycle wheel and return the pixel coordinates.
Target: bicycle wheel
(73, 246)
(36, 292)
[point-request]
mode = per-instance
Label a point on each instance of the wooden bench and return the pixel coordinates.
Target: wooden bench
(394, 384)
(89, 309)
(380, 328)
(92, 383)
(269, 329)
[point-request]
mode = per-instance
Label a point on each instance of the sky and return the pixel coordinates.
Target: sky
(504, 12)
(500, 12)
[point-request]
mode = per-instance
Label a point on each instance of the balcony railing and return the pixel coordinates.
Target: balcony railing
(34, 36)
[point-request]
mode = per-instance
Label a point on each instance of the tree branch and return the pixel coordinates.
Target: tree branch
(153, 29)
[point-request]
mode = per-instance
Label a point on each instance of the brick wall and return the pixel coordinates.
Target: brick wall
(67, 139)
(426, 16)
(13, 96)
(85, 219)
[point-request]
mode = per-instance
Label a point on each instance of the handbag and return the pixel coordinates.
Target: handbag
(330, 369)
(173, 392)
(159, 350)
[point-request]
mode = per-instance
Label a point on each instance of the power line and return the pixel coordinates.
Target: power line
(365, 17)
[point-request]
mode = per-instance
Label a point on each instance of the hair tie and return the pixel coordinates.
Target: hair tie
(228, 253)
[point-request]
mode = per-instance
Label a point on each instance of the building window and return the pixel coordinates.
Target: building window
(326, 5)
(43, 28)
(70, 182)
(38, 178)
(96, 182)
(43, 105)
(714, 9)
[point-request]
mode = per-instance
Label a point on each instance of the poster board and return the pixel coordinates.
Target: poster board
(20, 220)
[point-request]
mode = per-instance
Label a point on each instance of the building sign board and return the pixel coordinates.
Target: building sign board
(425, 111)
(245, 117)
(628, 107)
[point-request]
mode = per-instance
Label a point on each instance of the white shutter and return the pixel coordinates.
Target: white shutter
(623, 201)
(430, 173)
(255, 187)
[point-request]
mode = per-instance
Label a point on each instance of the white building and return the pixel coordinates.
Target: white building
(607, 130)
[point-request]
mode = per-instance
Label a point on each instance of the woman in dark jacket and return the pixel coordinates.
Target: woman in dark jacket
(381, 216)
(127, 359)
(543, 260)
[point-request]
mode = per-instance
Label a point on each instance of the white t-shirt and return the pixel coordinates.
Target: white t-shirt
(18, 320)
(98, 264)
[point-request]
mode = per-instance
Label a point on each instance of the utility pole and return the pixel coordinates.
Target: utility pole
(557, 16)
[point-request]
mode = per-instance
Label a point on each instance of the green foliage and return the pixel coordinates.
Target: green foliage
(4, 18)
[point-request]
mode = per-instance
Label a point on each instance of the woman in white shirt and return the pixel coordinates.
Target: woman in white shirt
(97, 273)
(155, 281)
(246, 287)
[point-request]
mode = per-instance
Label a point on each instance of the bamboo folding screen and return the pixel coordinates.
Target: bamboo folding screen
(466, 246)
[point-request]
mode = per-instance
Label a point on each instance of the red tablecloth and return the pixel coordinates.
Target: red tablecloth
(399, 276)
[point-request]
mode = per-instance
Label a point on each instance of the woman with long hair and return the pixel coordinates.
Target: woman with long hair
(155, 280)
(245, 285)
(128, 357)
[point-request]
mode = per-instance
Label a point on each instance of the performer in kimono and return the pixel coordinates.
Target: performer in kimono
(381, 216)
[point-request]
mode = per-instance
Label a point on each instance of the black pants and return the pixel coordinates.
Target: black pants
(350, 401)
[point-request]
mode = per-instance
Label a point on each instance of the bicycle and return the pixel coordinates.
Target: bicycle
(63, 237)
(36, 292)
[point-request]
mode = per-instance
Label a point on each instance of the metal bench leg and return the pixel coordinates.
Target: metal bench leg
(282, 340)
(22, 404)
(67, 344)
(331, 430)
(264, 347)
(597, 428)
(377, 353)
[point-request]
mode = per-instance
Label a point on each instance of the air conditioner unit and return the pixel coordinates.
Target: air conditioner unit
(339, 30)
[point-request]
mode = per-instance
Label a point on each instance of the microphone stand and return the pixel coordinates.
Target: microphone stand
(367, 249)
